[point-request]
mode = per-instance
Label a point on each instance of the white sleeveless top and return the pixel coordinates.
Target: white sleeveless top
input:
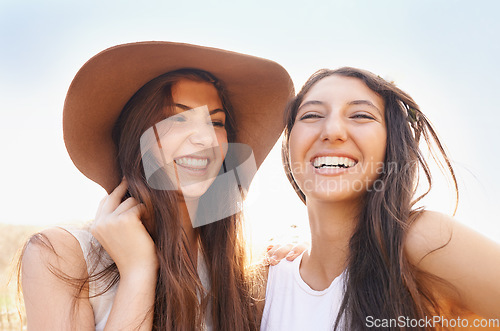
(292, 305)
(102, 304)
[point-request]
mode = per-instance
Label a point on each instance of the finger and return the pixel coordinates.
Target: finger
(297, 250)
(127, 218)
(270, 256)
(280, 253)
(265, 261)
(101, 203)
(271, 249)
(143, 211)
(138, 211)
(115, 198)
(126, 205)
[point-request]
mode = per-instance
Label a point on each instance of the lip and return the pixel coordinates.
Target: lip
(332, 171)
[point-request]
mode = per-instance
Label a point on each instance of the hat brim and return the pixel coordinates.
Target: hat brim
(258, 90)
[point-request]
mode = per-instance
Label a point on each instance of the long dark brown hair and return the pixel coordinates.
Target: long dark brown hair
(181, 301)
(381, 282)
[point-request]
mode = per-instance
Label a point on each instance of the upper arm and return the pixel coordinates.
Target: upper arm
(467, 260)
(50, 261)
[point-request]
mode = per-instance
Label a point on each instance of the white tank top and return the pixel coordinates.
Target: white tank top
(292, 305)
(102, 304)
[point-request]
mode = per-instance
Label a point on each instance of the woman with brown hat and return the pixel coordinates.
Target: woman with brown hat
(174, 132)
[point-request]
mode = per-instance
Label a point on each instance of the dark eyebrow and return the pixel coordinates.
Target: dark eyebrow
(311, 102)
(218, 110)
(365, 102)
(184, 107)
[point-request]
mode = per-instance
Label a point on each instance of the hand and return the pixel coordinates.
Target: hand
(119, 229)
(275, 253)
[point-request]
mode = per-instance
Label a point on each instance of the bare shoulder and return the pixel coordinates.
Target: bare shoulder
(463, 258)
(54, 247)
(53, 268)
(429, 232)
(435, 234)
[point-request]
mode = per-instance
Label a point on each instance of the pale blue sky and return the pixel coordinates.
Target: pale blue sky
(444, 53)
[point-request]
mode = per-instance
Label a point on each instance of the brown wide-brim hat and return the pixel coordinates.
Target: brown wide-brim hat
(257, 88)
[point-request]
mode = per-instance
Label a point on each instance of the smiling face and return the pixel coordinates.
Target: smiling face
(193, 140)
(337, 143)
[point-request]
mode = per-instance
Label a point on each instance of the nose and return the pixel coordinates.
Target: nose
(334, 128)
(203, 135)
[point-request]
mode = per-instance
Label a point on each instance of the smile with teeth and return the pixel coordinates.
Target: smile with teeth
(191, 162)
(333, 162)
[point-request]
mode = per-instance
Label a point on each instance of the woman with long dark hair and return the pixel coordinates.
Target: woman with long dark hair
(174, 132)
(352, 151)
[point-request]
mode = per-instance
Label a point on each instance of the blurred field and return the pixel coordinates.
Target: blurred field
(12, 239)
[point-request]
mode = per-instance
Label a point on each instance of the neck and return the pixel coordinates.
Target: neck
(332, 226)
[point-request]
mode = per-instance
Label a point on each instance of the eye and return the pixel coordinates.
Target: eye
(363, 116)
(310, 116)
(177, 118)
(218, 123)
(217, 120)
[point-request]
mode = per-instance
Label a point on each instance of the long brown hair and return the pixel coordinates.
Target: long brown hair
(381, 282)
(181, 301)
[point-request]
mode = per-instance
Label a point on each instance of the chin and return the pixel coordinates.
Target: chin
(334, 196)
(196, 190)
(327, 196)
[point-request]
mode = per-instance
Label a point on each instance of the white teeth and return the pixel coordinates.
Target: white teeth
(333, 161)
(193, 162)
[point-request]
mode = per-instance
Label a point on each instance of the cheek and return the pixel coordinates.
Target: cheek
(375, 146)
(221, 136)
(171, 141)
(302, 137)
(167, 149)
(297, 153)
(380, 145)
(293, 149)
(222, 141)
